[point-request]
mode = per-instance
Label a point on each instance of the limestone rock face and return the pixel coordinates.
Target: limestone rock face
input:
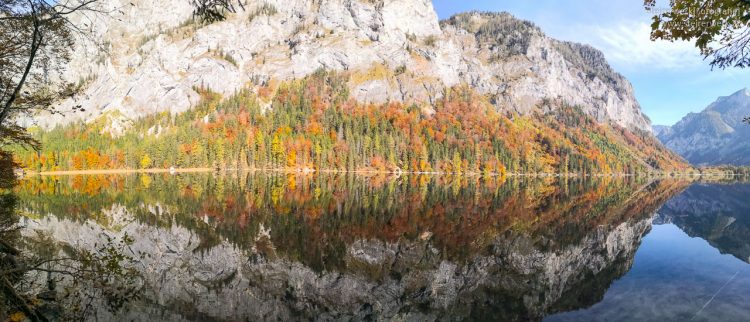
(152, 55)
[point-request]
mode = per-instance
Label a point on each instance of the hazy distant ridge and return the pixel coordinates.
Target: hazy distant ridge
(714, 136)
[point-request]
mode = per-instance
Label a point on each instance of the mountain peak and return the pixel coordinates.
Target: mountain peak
(741, 93)
(732, 108)
(734, 98)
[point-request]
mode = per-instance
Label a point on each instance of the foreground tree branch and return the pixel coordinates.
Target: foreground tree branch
(76, 278)
(36, 38)
(720, 29)
(215, 10)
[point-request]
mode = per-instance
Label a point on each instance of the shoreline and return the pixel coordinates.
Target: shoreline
(363, 172)
(114, 171)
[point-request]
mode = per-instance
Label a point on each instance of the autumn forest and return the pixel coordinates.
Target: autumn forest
(314, 124)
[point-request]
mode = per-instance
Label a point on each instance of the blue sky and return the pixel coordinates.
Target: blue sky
(670, 79)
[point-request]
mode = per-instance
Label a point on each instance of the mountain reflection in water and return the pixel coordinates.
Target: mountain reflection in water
(720, 214)
(293, 247)
(692, 266)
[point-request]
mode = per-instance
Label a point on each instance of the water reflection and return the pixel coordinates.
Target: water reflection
(691, 266)
(323, 247)
(718, 213)
(46, 279)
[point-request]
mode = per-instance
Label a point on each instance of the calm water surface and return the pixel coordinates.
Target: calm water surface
(693, 265)
(325, 247)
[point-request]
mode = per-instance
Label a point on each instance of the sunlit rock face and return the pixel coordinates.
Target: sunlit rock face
(154, 55)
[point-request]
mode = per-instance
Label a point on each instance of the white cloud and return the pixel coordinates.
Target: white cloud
(628, 45)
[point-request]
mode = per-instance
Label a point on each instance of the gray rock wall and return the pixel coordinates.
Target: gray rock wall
(152, 56)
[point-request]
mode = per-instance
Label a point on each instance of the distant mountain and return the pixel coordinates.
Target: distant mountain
(715, 136)
(661, 129)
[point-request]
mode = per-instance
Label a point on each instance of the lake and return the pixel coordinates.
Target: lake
(229, 247)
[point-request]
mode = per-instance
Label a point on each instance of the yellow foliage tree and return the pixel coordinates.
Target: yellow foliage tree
(145, 162)
(457, 163)
(276, 148)
(291, 159)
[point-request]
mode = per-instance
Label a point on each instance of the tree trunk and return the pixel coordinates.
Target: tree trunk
(19, 301)
(36, 41)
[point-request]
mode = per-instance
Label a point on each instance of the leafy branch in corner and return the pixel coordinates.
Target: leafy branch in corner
(36, 41)
(720, 29)
(81, 280)
(215, 10)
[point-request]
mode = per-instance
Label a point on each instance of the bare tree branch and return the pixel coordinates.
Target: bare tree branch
(20, 302)
(36, 37)
(36, 40)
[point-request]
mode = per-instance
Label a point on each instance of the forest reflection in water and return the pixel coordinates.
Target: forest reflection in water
(290, 247)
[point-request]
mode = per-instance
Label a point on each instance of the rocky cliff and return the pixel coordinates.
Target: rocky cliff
(152, 55)
(714, 136)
